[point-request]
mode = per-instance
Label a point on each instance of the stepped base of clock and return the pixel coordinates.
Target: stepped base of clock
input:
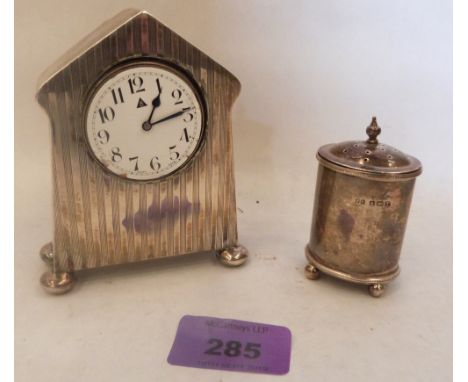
(60, 282)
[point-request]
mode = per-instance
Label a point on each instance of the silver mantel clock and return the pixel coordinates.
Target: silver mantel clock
(142, 151)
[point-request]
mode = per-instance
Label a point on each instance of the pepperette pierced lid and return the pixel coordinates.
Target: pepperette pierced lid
(369, 159)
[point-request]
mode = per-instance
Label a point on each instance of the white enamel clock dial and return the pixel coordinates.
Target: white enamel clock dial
(144, 121)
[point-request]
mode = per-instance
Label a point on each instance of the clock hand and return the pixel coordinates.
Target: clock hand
(174, 115)
(157, 100)
(155, 103)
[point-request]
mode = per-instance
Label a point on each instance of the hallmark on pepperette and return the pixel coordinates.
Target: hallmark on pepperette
(372, 203)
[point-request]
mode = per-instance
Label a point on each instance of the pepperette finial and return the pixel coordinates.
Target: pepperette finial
(373, 130)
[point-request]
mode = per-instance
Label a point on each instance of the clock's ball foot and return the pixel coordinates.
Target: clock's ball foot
(58, 282)
(311, 272)
(376, 290)
(233, 256)
(47, 254)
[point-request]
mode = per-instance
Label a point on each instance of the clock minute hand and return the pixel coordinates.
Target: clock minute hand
(174, 115)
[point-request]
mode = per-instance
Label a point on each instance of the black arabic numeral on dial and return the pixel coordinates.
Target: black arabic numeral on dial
(177, 94)
(173, 154)
(116, 156)
(136, 85)
(117, 96)
(107, 114)
(136, 162)
(188, 117)
(185, 136)
(104, 136)
(154, 164)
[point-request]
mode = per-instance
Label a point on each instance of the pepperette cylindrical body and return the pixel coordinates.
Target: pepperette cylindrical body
(362, 202)
(359, 224)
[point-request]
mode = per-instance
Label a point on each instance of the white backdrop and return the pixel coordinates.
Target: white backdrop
(313, 72)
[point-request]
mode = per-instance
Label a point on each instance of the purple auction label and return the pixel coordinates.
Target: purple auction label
(224, 344)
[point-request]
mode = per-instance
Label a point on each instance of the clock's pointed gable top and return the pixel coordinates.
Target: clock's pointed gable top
(97, 37)
(92, 39)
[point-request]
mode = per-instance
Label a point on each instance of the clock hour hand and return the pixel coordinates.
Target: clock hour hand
(171, 116)
(157, 100)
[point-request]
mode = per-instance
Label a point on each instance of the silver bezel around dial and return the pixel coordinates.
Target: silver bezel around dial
(184, 74)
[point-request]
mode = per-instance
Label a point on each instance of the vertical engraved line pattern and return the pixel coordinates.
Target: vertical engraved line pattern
(106, 53)
(197, 239)
(170, 216)
(222, 201)
(103, 257)
(108, 213)
(152, 36)
(159, 39)
(79, 76)
(139, 24)
(163, 218)
(174, 48)
(176, 208)
(122, 208)
(156, 217)
(87, 222)
(75, 177)
(60, 236)
(93, 259)
(147, 208)
(61, 232)
(184, 206)
(202, 215)
(130, 28)
(210, 164)
(114, 198)
(144, 35)
(214, 160)
(143, 217)
(219, 160)
(101, 219)
(130, 222)
(65, 130)
(167, 42)
(121, 41)
(136, 215)
(231, 198)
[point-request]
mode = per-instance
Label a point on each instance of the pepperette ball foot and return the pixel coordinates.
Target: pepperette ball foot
(311, 272)
(376, 290)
